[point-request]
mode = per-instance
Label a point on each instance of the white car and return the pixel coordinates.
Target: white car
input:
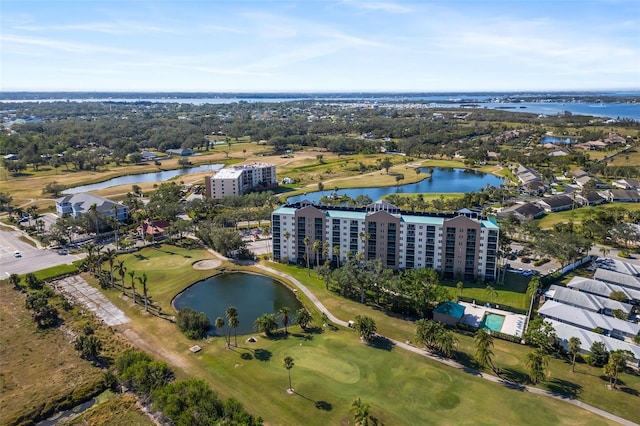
(16, 254)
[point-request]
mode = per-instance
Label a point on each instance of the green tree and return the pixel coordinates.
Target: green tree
(193, 324)
(484, 348)
(122, 271)
(88, 346)
(303, 318)
(574, 349)
(142, 279)
(284, 317)
(386, 164)
(232, 317)
(365, 327)
(288, 364)
(132, 275)
(14, 280)
(536, 362)
(54, 188)
(360, 413)
(32, 281)
(266, 324)
(324, 271)
(599, 355)
(460, 287)
(616, 364)
(219, 324)
(491, 293)
(541, 334)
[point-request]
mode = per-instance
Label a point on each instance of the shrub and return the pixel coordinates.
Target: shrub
(541, 262)
(193, 324)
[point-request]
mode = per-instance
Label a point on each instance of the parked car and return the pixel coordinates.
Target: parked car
(17, 254)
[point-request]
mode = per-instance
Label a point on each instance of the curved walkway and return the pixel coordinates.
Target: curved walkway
(454, 364)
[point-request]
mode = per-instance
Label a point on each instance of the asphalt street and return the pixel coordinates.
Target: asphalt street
(31, 259)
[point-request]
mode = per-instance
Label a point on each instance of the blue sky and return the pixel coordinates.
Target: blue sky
(319, 46)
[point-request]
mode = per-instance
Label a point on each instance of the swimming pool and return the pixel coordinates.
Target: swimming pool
(492, 321)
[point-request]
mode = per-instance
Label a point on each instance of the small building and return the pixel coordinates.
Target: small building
(522, 212)
(182, 152)
(618, 266)
(78, 204)
(592, 198)
(618, 278)
(156, 228)
(625, 183)
(148, 156)
(448, 313)
(557, 203)
(586, 301)
(601, 288)
(623, 195)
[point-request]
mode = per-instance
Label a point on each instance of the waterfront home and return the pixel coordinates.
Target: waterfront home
(78, 204)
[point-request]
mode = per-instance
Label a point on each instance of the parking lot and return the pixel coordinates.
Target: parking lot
(31, 259)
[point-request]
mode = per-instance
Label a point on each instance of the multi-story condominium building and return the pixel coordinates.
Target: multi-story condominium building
(459, 245)
(237, 180)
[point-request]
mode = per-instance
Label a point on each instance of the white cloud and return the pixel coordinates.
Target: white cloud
(10, 40)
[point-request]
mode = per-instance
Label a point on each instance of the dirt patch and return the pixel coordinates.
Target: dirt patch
(168, 355)
(207, 264)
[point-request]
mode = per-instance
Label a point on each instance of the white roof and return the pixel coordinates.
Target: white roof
(585, 300)
(601, 288)
(228, 173)
(588, 338)
(618, 266)
(586, 319)
(617, 278)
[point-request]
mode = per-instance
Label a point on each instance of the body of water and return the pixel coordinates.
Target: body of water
(143, 178)
(483, 100)
(442, 180)
(252, 295)
(555, 140)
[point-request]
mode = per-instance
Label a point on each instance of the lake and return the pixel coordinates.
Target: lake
(442, 180)
(253, 295)
(555, 140)
(143, 178)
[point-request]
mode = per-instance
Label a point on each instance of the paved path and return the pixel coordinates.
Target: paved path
(454, 364)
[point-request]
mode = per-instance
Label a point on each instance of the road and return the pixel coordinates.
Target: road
(32, 259)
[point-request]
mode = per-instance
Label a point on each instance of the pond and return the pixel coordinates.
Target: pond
(442, 180)
(253, 295)
(555, 140)
(143, 178)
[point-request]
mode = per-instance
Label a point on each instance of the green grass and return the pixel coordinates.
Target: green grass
(119, 410)
(511, 293)
(333, 368)
(55, 271)
(577, 215)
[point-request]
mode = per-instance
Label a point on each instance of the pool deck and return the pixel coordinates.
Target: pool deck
(513, 323)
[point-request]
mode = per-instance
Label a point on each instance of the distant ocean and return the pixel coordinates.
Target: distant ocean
(546, 104)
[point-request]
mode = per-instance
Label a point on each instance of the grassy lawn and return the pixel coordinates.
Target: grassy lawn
(39, 369)
(511, 293)
(577, 215)
(332, 368)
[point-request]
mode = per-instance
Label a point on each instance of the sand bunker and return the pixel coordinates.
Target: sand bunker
(207, 264)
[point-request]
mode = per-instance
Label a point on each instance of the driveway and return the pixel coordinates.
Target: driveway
(31, 259)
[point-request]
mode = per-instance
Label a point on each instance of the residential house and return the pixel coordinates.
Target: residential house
(522, 212)
(623, 195)
(78, 204)
(156, 228)
(564, 332)
(618, 266)
(601, 288)
(148, 156)
(618, 278)
(591, 198)
(556, 203)
(589, 302)
(587, 320)
(627, 183)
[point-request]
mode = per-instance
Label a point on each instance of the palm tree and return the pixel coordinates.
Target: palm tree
(484, 342)
(447, 343)
(234, 322)
(132, 274)
(306, 251)
(143, 281)
(317, 247)
(532, 290)
(288, 364)
(110, 255)
(365, 326)
(604, 251)
(93, 209)
(122, 271)
(266, 324)
(303, 318)
(115, 225)
(336, 253)
(536, 363)
(231, 312)
(284, 317)
(324, 271)
(574, 348)
(90, 248)
(491, 292)
(360, 413)
(460, 286)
